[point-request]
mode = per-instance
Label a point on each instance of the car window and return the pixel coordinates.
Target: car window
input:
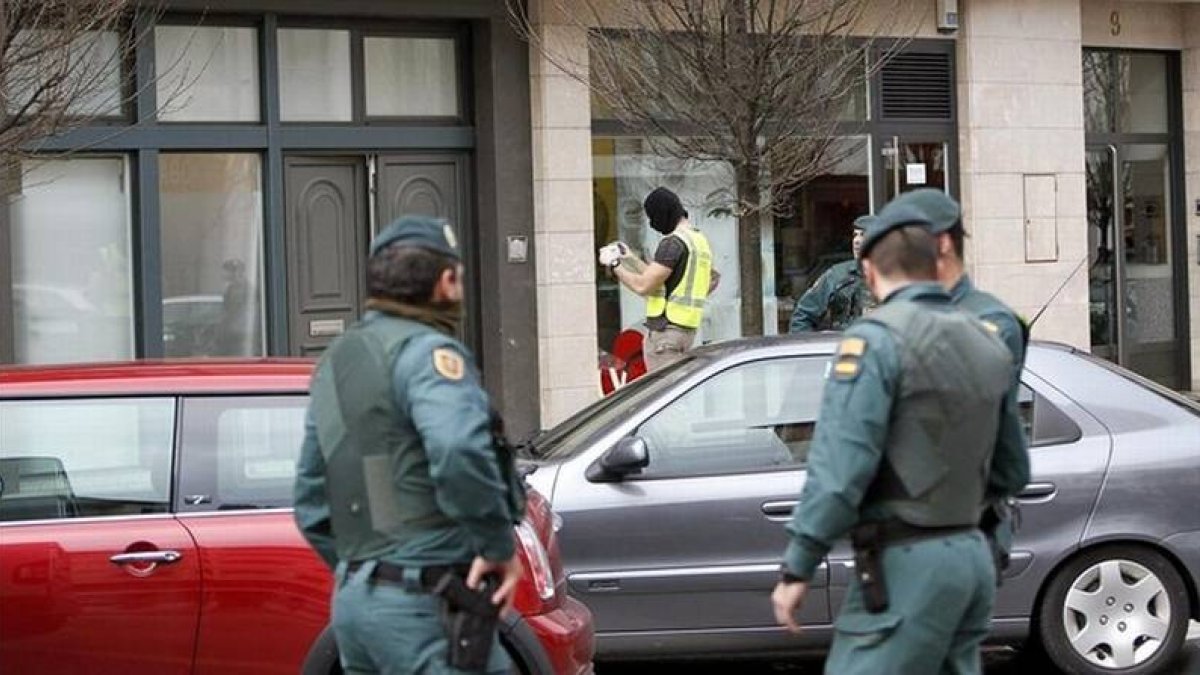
(85, 458)
(757, 416)
(572, 435)
(239, 452)
(1043, 422)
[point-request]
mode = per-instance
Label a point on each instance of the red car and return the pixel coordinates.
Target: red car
(146, 526)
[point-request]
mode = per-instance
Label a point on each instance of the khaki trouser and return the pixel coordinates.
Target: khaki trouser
(666, 346)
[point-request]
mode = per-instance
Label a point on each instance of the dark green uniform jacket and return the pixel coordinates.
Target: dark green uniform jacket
(838, 297)
(398, 418)
(877, 417)
(989, 309)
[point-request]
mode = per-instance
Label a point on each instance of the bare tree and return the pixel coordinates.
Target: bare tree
(760, 86)
(61, 66)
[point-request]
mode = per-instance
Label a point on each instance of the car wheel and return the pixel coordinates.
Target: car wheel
(1114, 609)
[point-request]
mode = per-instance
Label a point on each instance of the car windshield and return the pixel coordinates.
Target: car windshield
(571, 435)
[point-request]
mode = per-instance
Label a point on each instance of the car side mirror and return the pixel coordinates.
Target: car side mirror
(629, 456)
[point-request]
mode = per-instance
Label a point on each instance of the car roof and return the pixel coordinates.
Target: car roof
(170, 376)
(823, 342)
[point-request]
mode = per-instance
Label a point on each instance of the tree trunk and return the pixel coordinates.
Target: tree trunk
(750, 249)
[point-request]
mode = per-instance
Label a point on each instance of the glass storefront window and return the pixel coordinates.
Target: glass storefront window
(206, 74)
(211, 254)
(1125, 92)
(624, 172)
(314, 75)
(411, 76)
(72, 276)
(816, 233)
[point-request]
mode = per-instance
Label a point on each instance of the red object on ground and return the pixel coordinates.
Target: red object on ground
(220, 563)
(626, 362)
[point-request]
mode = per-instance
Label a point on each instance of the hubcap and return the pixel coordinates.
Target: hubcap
(1117, 614)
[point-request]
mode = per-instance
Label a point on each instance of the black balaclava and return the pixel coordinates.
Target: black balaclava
(664, 210)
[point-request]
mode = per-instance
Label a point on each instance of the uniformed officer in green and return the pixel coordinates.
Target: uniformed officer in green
(914, 416)
(945, 222)
(839, 296)
(398, 479)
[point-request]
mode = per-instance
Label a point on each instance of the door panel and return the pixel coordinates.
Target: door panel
(326, 242)
(433, 185)
(258, 571)
(67, 608)
(427, 185)
(1068, 455)
(703, 525)
(238, 460)
(911, 163)
(1131, 284)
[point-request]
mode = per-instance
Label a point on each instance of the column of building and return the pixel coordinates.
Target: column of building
(1022, 149)
(1191, 141)
(562, 173)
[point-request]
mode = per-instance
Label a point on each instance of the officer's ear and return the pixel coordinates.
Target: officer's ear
(870, 276)
(945, 244)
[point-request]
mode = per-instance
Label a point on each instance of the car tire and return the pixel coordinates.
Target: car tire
(1114, 609)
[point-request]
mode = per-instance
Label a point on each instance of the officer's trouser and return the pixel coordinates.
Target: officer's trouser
(940, 595)
(385, 628)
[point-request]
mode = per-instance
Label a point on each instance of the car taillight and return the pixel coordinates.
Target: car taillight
(539, 563)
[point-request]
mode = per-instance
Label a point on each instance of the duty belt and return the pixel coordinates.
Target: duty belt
(388, 573)
(894, 532)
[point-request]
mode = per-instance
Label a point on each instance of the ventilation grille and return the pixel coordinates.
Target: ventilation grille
(918, 86)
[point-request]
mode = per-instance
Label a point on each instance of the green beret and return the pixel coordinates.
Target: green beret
(434, 234)
(893, 216)
(941, 211)
(863, 222)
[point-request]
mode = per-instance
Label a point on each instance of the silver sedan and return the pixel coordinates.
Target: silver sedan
(674, 490)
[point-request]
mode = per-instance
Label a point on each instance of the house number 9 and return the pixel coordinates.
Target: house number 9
(1114, 23)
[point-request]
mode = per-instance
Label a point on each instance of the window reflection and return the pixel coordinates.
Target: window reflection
(72, 279)
(212, 252)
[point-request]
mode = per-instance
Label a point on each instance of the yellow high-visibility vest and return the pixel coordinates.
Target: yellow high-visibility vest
(685, 306)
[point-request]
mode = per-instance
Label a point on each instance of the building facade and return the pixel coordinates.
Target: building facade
(1067, 128)
(225, 209)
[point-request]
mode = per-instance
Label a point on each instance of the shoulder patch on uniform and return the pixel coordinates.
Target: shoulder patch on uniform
(449, 363)
(847, 361)
(852, 346)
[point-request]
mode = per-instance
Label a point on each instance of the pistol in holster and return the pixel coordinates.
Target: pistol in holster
(999, 523)
(867, 540)
(470, 620)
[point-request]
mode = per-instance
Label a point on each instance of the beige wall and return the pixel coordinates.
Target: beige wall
(1191, 128)
(1132, 25)
(562, 174)
(1021, 126)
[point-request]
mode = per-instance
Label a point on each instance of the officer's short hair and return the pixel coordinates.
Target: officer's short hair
(957, 234)
(910, 250)
(406, 274)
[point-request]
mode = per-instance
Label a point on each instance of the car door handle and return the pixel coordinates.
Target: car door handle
(1038, 492)
(146, 557)
(780, 511)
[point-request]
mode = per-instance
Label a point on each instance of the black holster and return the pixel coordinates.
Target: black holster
(1000, 514)
(470, 621)
(868, 566)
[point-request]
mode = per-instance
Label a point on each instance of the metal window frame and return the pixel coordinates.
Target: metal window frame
(1173, 140)
(495, 133)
